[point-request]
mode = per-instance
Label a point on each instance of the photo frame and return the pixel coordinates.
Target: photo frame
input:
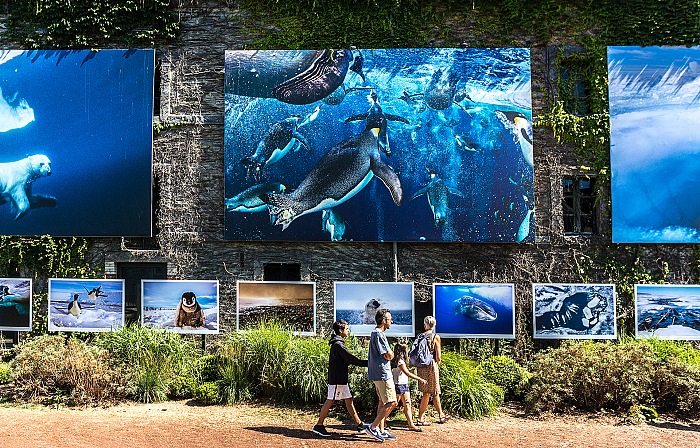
(90, 305)
(358, 302)
(181, 306)
(291, 303)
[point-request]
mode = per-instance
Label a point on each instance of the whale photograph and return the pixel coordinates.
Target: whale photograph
(292, 304)
(574, 311)
(15, 304)
(474, 310)
(357, 303)
(76, 128)
(413, 144)
(86, 304)
(654, 110)
(667, 312)
(181, 306)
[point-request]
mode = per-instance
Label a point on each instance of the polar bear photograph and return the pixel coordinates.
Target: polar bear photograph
(16, 179)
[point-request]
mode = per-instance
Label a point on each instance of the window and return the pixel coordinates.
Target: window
(281, 272)
(579, 206)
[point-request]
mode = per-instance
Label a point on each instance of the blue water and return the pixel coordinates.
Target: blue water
(93, 119)
(450, 322)
(352, 317)
(654, 93)
(495, 182)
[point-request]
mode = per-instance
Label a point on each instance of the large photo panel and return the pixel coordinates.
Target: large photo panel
(292, 304)
(15, 304)
(76, 128)
(574, 311)
(358, 302)
(667, 311)
(379, 145)
(86, 304)
(474, 310)
(181, 306)
(654, 144)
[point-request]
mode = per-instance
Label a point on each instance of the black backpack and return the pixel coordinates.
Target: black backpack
(419, 355)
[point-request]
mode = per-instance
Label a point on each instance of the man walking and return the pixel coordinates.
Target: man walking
(379, 371)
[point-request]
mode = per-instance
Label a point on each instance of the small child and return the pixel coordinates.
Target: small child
(401, 375)
(339, 359)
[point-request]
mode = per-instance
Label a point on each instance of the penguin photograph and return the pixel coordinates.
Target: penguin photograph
(358, 302)
(72, 310)
(364, 157)
(181, 306)
(15, 304)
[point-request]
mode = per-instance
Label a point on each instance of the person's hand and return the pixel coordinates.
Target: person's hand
(422, 381)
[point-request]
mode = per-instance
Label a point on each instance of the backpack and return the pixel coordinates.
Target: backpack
(419, 355)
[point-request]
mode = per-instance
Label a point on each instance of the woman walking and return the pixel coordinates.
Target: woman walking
(431, 374)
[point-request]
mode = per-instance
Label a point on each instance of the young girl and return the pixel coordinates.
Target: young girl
(401, 375)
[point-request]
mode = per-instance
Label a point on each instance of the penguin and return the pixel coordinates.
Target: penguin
(437, 193)
(74, 307)
(293, 77)
(339, 175)
(4, 292)
(282, 138)
(248, 200)
(94, 293)
(375, 116)
(524, 229)
(521, 128)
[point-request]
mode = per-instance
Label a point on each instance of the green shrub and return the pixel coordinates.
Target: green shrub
(5, 373)
(234, 386)
(506, 373)
(51, 364)
(464, 391)
(182, 386)
(208, 393)
(592, 376)
(152, 359)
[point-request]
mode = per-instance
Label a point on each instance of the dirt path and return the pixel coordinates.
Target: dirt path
(177, 424)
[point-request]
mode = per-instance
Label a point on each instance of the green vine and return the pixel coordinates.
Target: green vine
(90, 23)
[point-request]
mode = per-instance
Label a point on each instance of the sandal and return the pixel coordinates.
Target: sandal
(416, 429)
(444, 418)
(422, 423)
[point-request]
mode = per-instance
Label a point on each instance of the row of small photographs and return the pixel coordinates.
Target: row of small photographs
(182, 306)
(462, 310)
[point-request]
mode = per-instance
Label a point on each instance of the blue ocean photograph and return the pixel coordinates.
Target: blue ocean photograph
(86, 304)
(181, 306)
(421, 144)
(574, 311)
(474, 310)
(15, 304)
(358, 302)
(76, 128)
(667, 311)
(292, 304)
(654, 143)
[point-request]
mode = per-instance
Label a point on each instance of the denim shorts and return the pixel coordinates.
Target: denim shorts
(401, 389)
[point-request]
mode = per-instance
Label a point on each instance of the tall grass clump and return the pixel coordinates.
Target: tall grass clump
(464, 391)
(156, 360)
(53, 365)
(269, 361)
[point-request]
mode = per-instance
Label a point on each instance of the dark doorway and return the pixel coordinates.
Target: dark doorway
(133, 273)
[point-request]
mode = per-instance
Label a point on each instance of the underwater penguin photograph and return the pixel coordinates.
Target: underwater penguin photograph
(667, 312)
(86, 304)
(15, 304)
(357, 303)
(181, 306)
(412, 144)
(76, 128)
(574, 311)
(654, 140)
(474, 310)
(292, 304)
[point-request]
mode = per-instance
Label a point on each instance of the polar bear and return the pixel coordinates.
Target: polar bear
(16, 184)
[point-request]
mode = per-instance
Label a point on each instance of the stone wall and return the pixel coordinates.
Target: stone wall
(189, 167)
